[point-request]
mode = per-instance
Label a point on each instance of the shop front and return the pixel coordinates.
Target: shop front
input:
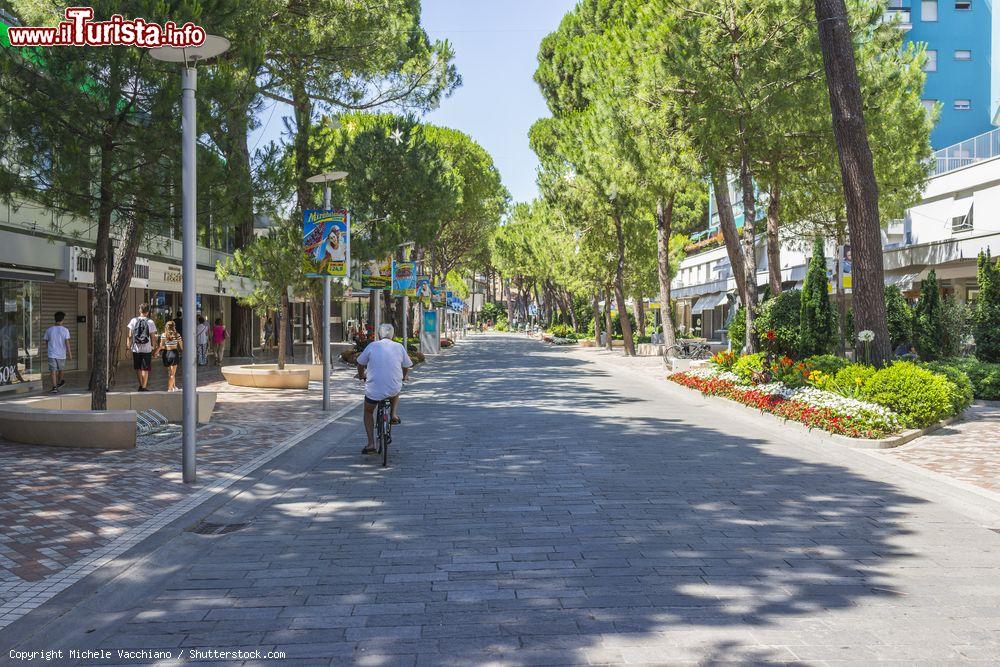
(21, 331)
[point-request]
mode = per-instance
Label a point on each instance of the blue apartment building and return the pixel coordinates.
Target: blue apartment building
(958, 36)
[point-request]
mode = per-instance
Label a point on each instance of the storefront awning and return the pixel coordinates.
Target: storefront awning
(709, 302)
(903, 281)
(27, 275)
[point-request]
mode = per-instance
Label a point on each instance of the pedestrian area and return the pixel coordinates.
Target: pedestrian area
(546, 506)
(64, 512)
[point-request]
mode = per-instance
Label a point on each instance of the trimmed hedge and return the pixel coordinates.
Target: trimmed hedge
(984, 376)
(827, 363)
(962, 393)
(747, 365)
(919, 396)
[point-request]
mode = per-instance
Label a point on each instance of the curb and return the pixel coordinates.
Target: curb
(823, 436)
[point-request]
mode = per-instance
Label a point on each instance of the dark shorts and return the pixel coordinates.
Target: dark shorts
(372, 401)
(142, 361)
(170, 358)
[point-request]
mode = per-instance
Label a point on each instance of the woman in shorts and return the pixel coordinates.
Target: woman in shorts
(170, 348)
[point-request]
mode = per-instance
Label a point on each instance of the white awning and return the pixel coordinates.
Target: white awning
(903, 281)
(708, 302)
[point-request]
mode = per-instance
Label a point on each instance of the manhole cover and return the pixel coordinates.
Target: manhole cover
(206, 528)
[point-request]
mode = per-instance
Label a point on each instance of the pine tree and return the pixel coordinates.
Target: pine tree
(816, 323)
(987, 314)
(928, 331)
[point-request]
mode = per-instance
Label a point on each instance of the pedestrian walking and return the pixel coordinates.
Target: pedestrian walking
(269, 333)
(141, 338)
(202, 336)
(59, 350)
(170, 350)
(219, 336)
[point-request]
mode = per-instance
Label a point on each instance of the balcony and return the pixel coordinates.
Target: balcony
(977, 149)
(898, 16)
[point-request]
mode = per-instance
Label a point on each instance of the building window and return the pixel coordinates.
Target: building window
(963, 54)
(929, 105)
(931, 64)
(963, 5)
(963, 105)
(929, 10)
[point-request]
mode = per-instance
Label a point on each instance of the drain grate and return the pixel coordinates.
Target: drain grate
(206, 528)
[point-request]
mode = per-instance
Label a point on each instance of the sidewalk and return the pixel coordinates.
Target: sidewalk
(64, 512)
(967, 451)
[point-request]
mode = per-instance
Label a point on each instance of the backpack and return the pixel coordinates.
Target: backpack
(140, 335)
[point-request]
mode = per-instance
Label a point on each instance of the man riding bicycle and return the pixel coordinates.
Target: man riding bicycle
(384, 365)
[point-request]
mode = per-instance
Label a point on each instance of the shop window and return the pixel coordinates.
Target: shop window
(20, 334)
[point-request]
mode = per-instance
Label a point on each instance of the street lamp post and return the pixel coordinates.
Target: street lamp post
(326, 179)
(189, 57)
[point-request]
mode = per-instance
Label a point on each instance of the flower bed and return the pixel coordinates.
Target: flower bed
(813, 407)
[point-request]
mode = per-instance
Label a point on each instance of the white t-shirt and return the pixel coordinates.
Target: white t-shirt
(56, 336)
(147, 347)
(384, 361)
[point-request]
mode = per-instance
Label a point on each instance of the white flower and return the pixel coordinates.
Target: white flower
(866, 336)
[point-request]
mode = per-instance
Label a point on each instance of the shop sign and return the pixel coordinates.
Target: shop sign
(10, 375)
(173, 275)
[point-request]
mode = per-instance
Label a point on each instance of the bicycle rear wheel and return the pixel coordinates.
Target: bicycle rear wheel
(385, 431)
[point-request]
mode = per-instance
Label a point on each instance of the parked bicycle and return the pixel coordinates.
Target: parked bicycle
(687, 350)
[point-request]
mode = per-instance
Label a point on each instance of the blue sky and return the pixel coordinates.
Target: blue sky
(496, 45)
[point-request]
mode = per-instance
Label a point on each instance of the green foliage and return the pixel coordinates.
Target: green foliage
(961, 391)
(920, 397)
(738, 328)
(928, 324)
(987, 313)
(493, 311)
(955, 317)
(898, 317)
(747, 365)
(827, 363)
(817, 326)
(985, 376)
(781, 315)
(850, 380)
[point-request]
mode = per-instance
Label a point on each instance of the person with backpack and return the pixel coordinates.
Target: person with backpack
(141, 339)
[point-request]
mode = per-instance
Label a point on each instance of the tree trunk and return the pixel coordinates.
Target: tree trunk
(597, 318)
(620, 290)
(282, 332)
(727, 224)
(607, 319)
(748, 240)
(510, 302)
(316, 313)
(774, 240)
(237, 153)
(640, 316)
(131, 238)
(572, 312)
(857, 173)
(288, 327)
(102, 256)
(664, 224)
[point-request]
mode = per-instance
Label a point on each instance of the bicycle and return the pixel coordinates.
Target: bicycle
(383, 429)
(687, 350)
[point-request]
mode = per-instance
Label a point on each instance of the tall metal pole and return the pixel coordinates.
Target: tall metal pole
(189, 181)
(406, 330)
(326, 319)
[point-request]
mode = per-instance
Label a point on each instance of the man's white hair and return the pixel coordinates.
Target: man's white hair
(386, 331)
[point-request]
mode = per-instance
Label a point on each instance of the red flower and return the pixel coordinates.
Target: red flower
(770, 335)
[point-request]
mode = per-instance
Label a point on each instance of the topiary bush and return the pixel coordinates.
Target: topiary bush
(816, 324)
(962, 393)
(987, 314)
(738, 329)
(898, 317)
(780, 314)
(919, 396)
(747, 365)
(827, 363)
(928, 330)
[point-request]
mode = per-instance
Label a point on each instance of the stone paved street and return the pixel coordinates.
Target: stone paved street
(547, 506)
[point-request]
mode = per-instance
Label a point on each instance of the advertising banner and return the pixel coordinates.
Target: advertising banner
(430, 334)
(437, 295)
(404, 279)
(326, 238)
(376, 274)
(424, 289)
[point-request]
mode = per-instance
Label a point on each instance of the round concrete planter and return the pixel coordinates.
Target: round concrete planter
(267, 376)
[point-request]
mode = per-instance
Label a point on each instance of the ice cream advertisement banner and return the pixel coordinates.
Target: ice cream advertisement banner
(404, 279)
(376, 274)
(438, 295)
(424, 289)
(326, 238)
